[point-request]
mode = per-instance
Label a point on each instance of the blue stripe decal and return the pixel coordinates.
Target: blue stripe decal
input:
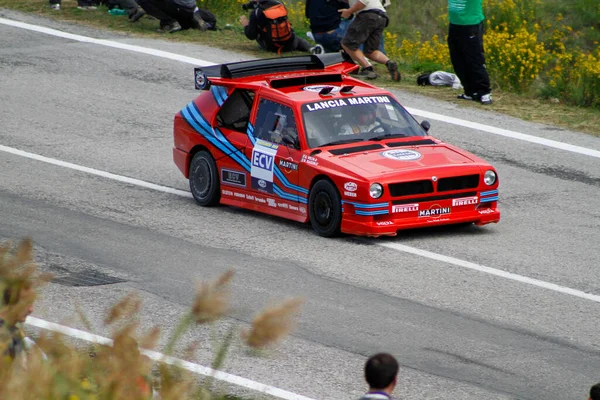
(218, 94)
(277, 190)
(286, 183)
(221, 144)
(193, 117)
(488, 193)
(250, 133)
(224, 92)
(488, 199)
(207, 129)
(361, 205)
(378, 212)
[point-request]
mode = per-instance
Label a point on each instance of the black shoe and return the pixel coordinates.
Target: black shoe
(199, 23)
(465, 97)
(172, 28)
(139, 13)
(393, 70)
(367, 73)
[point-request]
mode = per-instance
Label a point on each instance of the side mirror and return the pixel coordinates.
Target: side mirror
(425, 125)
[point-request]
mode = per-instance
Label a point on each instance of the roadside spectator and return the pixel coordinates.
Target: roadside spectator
(370, 19)
(465, 42)
(327, 26)
(381, 374)
(278, 38)
(17, 304)
(595, 392)
(174, 15)
(134, 11)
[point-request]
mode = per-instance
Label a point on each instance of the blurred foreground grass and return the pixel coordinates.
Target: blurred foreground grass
(54, 368)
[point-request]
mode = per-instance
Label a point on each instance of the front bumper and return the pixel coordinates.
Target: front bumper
(356, 221)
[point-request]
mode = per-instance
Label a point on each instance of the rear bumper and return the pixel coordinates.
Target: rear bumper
(390, 224)
(182, 160)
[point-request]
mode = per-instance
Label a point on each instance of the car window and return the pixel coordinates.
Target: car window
(235, 112)
(357, 118)
(274, 121)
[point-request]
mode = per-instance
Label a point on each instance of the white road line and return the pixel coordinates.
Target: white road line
(108, 43)
(156, 356)
(97, 172)
(425, 114)
(492, 271)
(396, 246)
(506, 133)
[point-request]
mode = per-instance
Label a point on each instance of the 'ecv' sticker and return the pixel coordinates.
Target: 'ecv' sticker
(263, 160)
(402, 155)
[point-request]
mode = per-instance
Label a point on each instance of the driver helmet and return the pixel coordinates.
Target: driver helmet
(368, 115)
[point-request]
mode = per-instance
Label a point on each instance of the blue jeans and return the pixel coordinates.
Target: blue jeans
(331, 41)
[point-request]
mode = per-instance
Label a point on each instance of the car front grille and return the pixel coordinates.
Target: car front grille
(411, 188)
(458, 183)
(426, 186)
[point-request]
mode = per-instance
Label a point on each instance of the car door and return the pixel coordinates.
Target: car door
(274, 153)
(231, 127)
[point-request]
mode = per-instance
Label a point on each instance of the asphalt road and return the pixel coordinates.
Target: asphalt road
(457, 333)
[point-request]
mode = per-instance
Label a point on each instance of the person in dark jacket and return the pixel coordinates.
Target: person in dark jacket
(327, 26)
(257, 27)
(381, 374)
(174, 15)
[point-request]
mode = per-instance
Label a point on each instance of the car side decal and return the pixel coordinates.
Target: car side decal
(280, 175)
(193, 117)
(369, 209)
(486, 197)
(196, 120)
(220, 94)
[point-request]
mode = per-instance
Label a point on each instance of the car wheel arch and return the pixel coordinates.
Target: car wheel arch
(196, 149)
(334, 228)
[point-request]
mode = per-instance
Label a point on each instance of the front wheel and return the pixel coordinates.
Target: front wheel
(324, 208)
(204, 179)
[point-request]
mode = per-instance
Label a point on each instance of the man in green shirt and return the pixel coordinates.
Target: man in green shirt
(465, 41)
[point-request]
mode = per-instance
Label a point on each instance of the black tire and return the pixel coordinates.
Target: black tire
(325, 209)
(204, 179)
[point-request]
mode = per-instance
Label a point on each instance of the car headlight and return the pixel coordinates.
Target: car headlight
(489, 177)
(376, 190)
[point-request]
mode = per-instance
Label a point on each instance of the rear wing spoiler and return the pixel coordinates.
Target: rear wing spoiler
(329, 62)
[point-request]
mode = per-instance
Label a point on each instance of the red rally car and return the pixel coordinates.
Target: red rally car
(299, 138)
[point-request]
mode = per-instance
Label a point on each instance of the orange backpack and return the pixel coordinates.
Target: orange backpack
(279, 26)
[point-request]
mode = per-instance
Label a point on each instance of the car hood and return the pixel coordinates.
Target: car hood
(392, 160)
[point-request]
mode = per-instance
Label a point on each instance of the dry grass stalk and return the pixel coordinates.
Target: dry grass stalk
(272, 325)
(126, 309)
(212, 299)
(119, 371)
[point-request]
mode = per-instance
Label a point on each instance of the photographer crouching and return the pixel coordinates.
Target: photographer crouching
(269, 25)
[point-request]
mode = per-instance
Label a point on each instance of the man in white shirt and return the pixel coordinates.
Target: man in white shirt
(370, 19)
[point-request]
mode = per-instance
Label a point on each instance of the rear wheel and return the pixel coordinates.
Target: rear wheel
(325, 209)
(204, 179)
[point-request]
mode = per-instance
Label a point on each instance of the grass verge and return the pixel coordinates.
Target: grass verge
(231, 38)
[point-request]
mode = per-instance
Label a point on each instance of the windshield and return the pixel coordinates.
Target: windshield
(353, 119)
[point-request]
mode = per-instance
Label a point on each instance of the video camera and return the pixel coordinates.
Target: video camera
(251, 5)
